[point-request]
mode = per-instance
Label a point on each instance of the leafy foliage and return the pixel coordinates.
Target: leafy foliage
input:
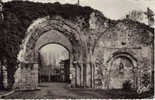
(135, 15)
(18, 15)
(146, 79)
(127, 85)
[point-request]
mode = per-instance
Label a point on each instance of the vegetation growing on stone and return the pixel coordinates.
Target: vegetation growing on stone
(19, 15)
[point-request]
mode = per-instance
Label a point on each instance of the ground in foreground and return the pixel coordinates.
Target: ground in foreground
(60, 91)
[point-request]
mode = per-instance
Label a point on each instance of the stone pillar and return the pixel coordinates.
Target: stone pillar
(72, 72)
(88, 75)
(35, 73)
(107, 75)
(84, 74)
(81, 73)
(139, 77)
(78, 75)
(5, 78)
(26, 77)
(72, 77)
(135, 72)
(152, 64)
(92, 79)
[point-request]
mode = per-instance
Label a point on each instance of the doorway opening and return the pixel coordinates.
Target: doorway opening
(54, 61)
(121, 72)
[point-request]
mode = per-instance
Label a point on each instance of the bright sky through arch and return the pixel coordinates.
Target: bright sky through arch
(114, 9)
(53, 52)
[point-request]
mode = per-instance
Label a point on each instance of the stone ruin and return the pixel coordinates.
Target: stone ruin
(103, 55)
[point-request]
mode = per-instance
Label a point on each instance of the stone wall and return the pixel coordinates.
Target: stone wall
(52, 30)
(94, 50)
(26, 77)
(125, 38)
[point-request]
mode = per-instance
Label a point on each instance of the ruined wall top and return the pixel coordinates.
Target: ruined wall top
(19, 15)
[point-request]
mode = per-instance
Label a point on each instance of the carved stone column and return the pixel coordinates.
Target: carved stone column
(107, 77)
(72, 72)
(73, 76)
(78, 74)
(35, 72)
(139, 77)
(92, 75)
(84, 74)
(88, 75)
(81, 73)
(135, 72)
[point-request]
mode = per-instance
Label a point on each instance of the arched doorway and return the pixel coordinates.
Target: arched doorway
(41, 32)
(54, 63)
(121, 71)
(122, 68)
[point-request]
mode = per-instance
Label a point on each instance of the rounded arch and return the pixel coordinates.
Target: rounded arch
(52, 57)
(127, 55)
(56, 44)
(52, 37)
(42, 26)
(120, 73)
(122, 67)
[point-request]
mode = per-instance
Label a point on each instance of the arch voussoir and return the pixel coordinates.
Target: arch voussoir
(59, 26)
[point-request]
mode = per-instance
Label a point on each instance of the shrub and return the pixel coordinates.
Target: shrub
(127, 85)
(146, 79)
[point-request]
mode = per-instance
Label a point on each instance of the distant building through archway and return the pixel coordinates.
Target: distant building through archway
(54, 61)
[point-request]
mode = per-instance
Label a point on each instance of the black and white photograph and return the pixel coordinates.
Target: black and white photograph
(77, 49)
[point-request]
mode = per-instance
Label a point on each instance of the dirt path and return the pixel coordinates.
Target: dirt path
(47, 90)
(61, 91)
(51, 90)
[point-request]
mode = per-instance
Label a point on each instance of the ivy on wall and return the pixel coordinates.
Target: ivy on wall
(18, 15)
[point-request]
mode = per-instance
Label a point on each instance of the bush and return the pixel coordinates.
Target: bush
(146, 79)
(127, 85)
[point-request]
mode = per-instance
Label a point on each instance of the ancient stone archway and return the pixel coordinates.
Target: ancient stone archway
(41, 26)
(53, 37)
(125, 64)
(54, 64)
(41, 32)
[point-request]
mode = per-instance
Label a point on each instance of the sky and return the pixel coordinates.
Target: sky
(114, 9)
(53, 52)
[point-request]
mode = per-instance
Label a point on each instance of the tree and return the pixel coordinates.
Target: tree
(150, 16)
(146, 17)
(135, 15)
